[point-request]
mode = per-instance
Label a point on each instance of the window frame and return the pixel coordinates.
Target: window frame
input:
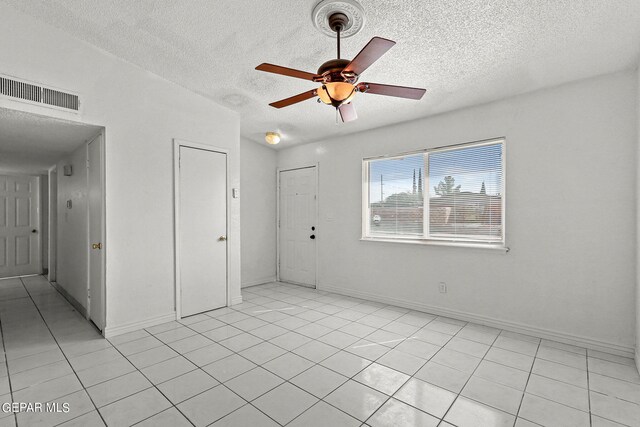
(426, 238)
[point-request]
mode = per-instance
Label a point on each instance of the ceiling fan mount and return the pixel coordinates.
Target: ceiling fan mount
(338, 21)
(352, 9)
(338, 77)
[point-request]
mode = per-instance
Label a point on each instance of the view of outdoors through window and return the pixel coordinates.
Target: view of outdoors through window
(464, 194)
(396, 203)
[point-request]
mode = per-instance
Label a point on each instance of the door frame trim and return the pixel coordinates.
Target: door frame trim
(317, 204)
(53, 225)
(177, 143)
(103, 228)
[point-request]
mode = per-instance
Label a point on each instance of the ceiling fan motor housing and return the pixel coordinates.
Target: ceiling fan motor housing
(331, 71)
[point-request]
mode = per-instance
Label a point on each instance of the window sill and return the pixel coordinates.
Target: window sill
(499, 247)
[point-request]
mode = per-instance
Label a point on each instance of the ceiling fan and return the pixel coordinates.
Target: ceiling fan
(339, 77)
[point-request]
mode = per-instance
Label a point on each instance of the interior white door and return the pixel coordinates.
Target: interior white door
(202, 230)
(298, 226)
(96, 236)
(19, 225)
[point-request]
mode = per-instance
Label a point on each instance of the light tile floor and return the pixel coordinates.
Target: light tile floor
(298, 357)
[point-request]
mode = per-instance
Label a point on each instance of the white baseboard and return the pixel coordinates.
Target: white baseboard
(112, 331)
(306, 285)
(607, 347)
(75, 303)
(260, 281)
(236, 300)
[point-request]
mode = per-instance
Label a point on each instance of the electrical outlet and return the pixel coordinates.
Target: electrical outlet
(442, 287)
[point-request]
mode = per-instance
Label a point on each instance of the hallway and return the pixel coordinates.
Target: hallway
(41, 334)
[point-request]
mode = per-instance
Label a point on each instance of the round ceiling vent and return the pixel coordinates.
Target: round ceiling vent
(350, 8)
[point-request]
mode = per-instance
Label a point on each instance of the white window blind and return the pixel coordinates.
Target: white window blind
(453, 193)
(395, 202)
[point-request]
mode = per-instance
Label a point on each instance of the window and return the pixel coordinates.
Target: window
(446, 194)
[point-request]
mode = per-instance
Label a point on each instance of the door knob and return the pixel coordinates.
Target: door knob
(97, 246)
(222, 238)
(34, 231)
(313, 236)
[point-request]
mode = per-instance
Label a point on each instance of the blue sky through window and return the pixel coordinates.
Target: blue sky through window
(469, 166)
(396, 176)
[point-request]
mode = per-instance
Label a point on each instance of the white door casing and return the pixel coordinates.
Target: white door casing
(53, 223)
(297, 225)
(19, 225)
(96, 291)
(202, 230)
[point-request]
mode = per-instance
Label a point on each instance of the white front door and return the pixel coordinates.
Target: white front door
(19, 225)
(298, 228)
(96, 239)
(202, 230)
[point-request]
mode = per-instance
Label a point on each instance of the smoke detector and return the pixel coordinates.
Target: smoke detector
(349, 8)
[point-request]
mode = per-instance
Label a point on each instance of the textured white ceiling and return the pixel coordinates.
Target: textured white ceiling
(464, 52)
(32, 143)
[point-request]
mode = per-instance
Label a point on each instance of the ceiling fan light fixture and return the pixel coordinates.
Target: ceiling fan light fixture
(272, 138)
(336, 93)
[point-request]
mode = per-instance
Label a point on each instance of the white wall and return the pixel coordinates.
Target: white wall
(72, 229)
(142, 114)
(258, 213)
(570, 205)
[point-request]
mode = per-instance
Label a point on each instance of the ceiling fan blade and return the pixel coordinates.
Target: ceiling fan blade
(389, 90)
(276, 69)
(369, 54)
(294, 99)
(347, 112)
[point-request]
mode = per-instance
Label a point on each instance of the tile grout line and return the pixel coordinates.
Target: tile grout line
(107, 380)
(524, 392)
(153, 385)
(249, 402)
(466, 323)
(297, 315)
(289, 351)
(468, 379)
(65, 357)
(411, 376)
(219, 382)
(535, 357)
(6, 362)
(589, 391)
